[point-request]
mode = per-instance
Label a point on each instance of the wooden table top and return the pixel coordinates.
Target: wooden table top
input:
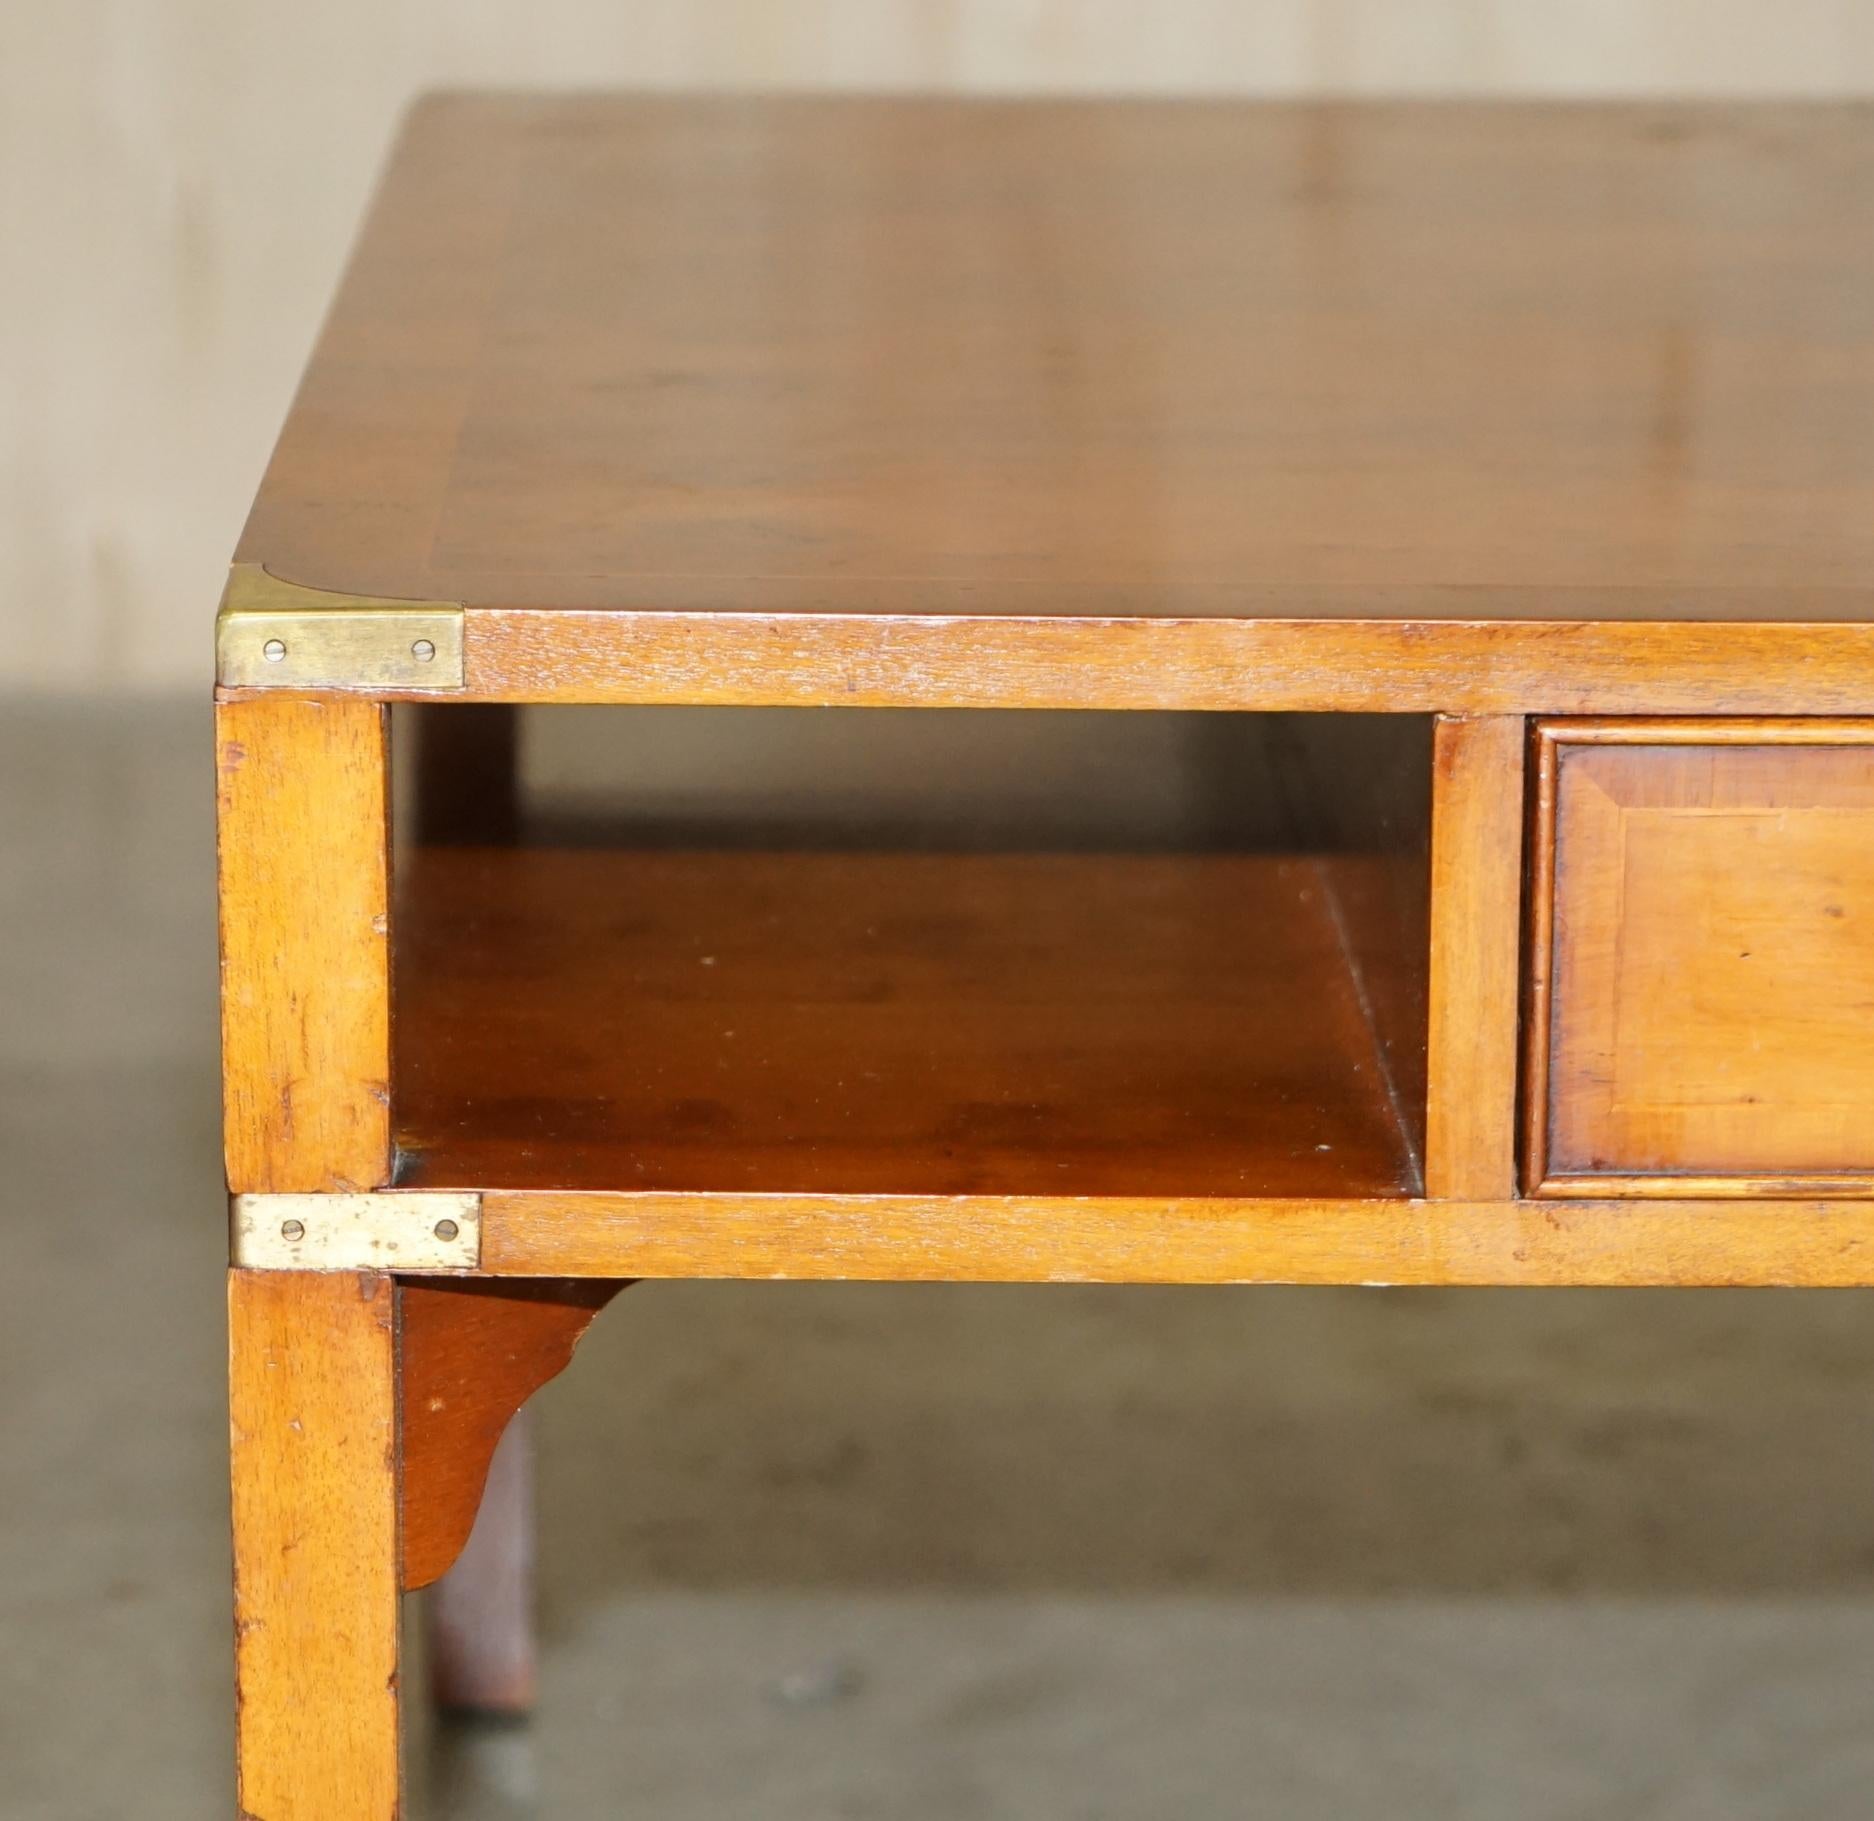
(1201, 360)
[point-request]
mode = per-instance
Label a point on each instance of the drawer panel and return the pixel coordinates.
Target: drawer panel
(1702, 958)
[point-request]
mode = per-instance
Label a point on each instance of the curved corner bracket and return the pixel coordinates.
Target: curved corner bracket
(274, 634)
(472, 1351)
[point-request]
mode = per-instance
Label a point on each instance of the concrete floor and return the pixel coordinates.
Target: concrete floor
(914, 1553)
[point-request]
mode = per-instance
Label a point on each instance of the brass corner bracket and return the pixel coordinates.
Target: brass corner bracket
(272, 634)
(395, 1230)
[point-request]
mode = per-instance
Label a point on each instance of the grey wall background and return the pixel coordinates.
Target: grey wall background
(179, 179)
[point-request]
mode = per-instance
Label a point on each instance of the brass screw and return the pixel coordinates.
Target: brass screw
(447, 1229)
(274, 650)
(292, 1229)
(422, 651)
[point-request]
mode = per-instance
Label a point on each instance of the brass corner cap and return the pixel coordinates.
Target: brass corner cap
(276, 634)
(385, 1230)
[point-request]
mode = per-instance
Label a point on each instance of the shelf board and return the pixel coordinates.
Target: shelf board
(884, 1023)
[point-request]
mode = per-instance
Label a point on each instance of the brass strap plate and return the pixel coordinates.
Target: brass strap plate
(272, 634)
(418, 1230)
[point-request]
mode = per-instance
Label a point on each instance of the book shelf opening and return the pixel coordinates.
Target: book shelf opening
(869, 952)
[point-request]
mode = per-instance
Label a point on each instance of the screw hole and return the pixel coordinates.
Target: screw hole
(274, 650)
(292, 1229)
(447, 1229)
(422, 651)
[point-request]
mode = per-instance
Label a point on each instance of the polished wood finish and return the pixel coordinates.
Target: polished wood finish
(303, 814)
(1476, 899)
(1482, 413)
(1125, 1239)
(1273, 662)
(1704, 1005)
(473, 1352)
(1114, 358)
(1488, 410)
(967, 1024)
(313, 1426)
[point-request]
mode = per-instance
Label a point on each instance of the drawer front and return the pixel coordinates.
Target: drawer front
(1702, 959)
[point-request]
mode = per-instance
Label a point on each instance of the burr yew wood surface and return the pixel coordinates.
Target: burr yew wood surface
(1099, 359)
(1064, 1024)
(1704, 919)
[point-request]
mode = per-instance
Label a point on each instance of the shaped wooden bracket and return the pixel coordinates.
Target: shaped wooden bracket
(473, 1350)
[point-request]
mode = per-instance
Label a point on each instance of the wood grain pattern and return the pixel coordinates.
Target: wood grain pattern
(305, 944)
(1482, 410)
(1486, 412)
(473, 1353)
(1099, 358)
(1461, 661)
(1040, 1239)
(938, 1023)
(313, 1423)
(1476, 963)
(1706, 1005)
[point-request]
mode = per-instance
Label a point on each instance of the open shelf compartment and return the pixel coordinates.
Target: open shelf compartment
(1080, 955)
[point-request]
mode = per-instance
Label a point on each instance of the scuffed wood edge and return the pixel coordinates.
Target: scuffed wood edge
(1472, 667)
(1041, 1239)
(303, 812)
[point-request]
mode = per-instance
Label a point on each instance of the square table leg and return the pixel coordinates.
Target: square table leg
(315, 1443)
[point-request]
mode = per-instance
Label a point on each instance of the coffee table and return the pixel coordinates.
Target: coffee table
(1490, 486)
